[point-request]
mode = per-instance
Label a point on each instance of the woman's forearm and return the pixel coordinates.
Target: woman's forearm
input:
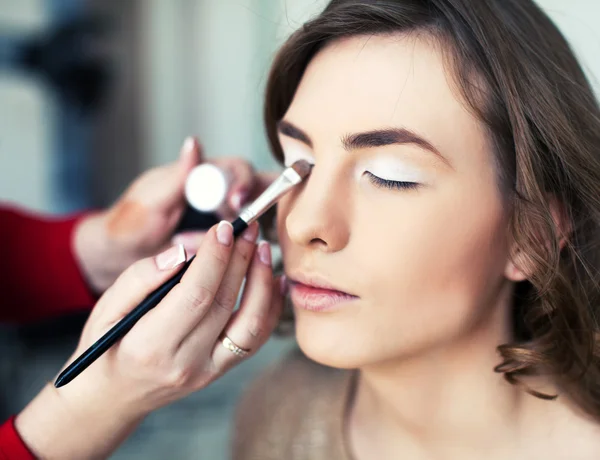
(63, 425)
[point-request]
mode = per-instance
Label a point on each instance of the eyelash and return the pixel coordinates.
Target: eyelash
(391, 184)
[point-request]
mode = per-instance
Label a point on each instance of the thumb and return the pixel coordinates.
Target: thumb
(168, 188)
(134, 284)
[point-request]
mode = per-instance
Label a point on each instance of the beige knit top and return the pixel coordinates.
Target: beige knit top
(294, 411)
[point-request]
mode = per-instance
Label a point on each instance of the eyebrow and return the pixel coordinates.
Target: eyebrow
(369, 139)
(289, 130)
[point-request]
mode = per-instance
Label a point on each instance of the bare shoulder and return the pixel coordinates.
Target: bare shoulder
(275, 410)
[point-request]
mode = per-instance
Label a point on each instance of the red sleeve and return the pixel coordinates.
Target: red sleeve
(40, 276)
(11, 445)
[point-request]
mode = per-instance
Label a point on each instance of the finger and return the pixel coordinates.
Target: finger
(162, 188)
(191, 241)
(170, 187)
(190, 156)
(204, 336)
(227, 294)
(251, 325)
(184, 307)
(242, 182)
(173, 186)
(135, 283)
(223, 358)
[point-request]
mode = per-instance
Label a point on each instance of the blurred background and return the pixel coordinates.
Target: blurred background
(93, 92)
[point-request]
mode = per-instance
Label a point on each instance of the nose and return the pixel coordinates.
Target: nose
(319, 213)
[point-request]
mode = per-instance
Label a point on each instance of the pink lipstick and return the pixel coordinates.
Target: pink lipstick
(317, 296)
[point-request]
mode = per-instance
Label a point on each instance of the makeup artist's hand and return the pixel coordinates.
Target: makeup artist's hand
(174, 350)
(141, 223)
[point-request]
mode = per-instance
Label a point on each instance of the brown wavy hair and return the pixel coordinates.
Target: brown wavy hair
(517, 73)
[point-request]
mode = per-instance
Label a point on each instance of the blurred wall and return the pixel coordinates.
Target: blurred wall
(118, 140)
(578, 20)
(25, 117)
(206, 65)
(23, 14)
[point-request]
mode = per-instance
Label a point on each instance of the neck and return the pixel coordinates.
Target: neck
(448, 393)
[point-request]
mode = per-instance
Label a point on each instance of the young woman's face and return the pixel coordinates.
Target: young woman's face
(402, 212)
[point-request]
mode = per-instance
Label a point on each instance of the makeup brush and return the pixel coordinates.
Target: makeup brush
(289, 178)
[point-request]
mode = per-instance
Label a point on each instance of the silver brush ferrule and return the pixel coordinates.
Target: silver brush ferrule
(288, 179)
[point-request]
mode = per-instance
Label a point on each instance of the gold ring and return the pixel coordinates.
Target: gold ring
(232, 347)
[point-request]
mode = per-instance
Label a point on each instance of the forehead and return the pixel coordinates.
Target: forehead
(372, 82)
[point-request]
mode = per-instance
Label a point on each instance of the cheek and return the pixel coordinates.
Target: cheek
(435, 263)
(282, 212)
(444, 243)
(283, 209)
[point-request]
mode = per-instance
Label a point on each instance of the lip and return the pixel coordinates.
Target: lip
(315, 294)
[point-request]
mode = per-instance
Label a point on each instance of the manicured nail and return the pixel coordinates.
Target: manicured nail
(170, 258)
(251, 233)
(283, 285)
(264, 253)
(225, 233)
(188, 146)
(238, 199)
(191, 242)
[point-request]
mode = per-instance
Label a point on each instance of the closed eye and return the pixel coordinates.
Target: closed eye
(391, 184)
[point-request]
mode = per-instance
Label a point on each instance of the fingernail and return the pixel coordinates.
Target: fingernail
(251, 233)
(238, 199)
(225, 233)
(170, 258)
(188, 146)
(264, 253)
(283, 285)
(191, 242)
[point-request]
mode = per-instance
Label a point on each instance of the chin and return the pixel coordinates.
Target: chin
(350, 342)
(330, 342)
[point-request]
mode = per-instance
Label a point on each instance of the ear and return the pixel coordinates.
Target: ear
(519, 267)
(515, 269)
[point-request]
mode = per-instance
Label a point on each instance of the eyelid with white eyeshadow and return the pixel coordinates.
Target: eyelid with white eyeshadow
(390, 169)
(384, 167)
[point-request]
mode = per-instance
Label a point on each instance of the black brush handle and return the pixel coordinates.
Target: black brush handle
(122, 327)
(239, 225)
